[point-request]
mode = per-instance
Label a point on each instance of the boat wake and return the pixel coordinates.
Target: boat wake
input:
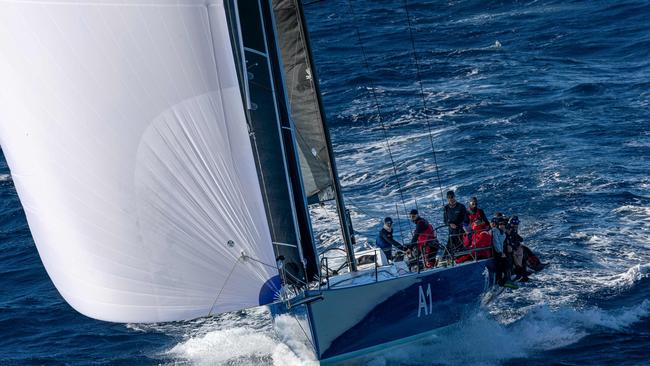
(506, 330)
(246, 346)
(482, 340)
(237, 346)
(478, 339)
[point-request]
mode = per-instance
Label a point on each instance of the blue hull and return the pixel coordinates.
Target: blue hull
(345, 322)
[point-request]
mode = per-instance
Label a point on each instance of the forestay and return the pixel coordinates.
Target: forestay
(123, 125)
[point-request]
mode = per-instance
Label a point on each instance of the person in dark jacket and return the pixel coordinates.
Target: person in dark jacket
(513, 246)
(455, 216)
(424, 239)
(385, 239)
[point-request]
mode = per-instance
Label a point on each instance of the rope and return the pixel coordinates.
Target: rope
(424, 102)
(303, 331)
(224, 285)
(244, 256)
(399, 222)
(377, 105)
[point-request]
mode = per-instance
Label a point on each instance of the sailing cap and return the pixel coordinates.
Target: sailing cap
(450, 194)
(388, 220)
(414, 212)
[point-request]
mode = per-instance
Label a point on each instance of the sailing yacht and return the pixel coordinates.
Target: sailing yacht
(166, 153)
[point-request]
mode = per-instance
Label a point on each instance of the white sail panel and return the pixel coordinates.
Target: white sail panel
(123, 126)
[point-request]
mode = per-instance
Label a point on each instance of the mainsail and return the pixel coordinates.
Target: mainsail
(302, 94)
(124, 128)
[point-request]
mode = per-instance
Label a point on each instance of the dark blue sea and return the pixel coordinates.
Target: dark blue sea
(539, 108)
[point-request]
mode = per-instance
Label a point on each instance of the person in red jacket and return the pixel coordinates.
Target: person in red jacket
(477, 219)
(424, 237)
(479, 236)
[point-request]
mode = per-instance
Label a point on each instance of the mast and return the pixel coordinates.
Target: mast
(272, 134)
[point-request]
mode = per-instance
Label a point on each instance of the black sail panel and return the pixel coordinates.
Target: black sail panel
(304, 102)
(317, 163)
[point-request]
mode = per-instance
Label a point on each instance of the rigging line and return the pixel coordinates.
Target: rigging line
(224, 285)
(424, 102)
(377, 105)
(303, 331)
(247, 257)
(356, 205)
(399, 222)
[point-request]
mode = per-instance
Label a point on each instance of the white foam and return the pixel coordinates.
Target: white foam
(242, 345)
(5, 177)
(631, 276)
(481, 340)
(633, 209)
(638, 143)
(218, 340)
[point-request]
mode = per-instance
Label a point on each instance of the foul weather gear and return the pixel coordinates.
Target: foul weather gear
(425, 238)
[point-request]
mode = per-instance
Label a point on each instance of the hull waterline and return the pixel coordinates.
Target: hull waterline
(356, 320)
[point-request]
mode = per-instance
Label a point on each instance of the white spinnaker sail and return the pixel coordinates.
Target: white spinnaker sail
(123, 126)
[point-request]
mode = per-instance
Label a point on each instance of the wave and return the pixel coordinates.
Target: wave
(238, 345)
(479, 339)
(631, 276)
(5, 177)
(482, 340)
(245, 345)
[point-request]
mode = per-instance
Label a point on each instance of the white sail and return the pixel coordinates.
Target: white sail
(123, 126)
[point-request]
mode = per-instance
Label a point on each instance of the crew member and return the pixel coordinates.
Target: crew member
(500, 257)
(424, 237)
(455, 217)
(515, 248)
(385, 239)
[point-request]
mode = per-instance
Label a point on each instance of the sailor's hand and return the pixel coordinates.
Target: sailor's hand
(453, 226)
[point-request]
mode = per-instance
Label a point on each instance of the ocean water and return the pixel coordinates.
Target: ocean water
(539, 108)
